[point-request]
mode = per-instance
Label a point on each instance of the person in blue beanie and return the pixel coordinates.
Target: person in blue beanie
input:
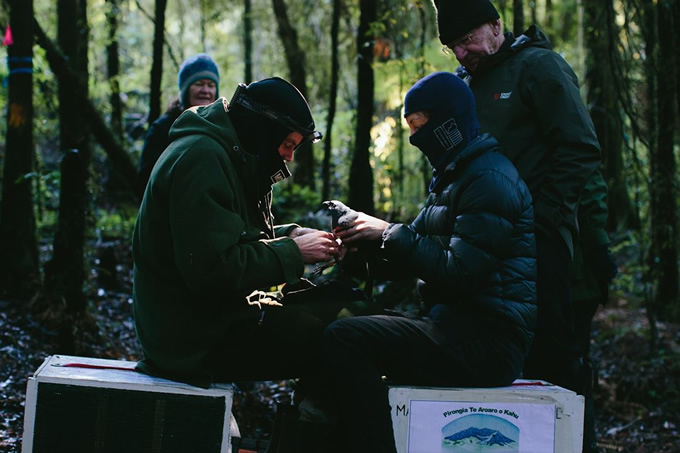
(198, 81)
(472, 247)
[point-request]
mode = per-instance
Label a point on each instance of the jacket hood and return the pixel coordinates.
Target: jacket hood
(532, 37)
(211, 120)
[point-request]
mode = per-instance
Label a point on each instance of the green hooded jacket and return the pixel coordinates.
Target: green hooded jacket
(528, 98)
(202, 243)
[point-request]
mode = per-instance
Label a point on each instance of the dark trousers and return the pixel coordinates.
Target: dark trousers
(277, 343)
(556, 352)
(460, 351)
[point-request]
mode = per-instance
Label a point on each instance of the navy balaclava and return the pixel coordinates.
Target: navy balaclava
(197, 67)
(452, 123)
(263, 114)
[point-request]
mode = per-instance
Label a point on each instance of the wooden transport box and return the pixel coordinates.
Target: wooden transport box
(527, 417)
(78, 404)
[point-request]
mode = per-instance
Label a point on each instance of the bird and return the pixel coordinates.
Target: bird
(342, 215)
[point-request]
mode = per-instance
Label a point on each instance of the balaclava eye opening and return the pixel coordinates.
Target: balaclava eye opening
(452, 120)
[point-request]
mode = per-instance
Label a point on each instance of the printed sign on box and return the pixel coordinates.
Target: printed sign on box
(449, 427)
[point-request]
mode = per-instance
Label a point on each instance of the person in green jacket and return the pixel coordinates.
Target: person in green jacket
(206, 248)
(528, 98)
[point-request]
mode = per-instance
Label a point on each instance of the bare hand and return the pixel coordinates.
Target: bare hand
(365, 227)
(317, 246)
(300, 231)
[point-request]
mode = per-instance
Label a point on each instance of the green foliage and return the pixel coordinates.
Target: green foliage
(400, 173)
(115, 224)
(293, 202)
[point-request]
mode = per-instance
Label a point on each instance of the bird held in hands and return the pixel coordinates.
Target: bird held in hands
(341, 215)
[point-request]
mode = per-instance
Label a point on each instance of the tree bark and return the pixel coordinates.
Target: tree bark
(113, 68)
(605, 110)
(517, 17)
(361, 173)
(549, 15)
(157, 65)
(664, 204)
(118, 156)
(19, 263)
(332, 101)
(248, 40)
(65, 272)
(425, 168)
(295, 58)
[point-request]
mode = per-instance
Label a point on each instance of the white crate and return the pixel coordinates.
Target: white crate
(76, 404)
(527, 417)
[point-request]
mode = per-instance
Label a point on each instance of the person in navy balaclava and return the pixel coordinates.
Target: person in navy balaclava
(472, 249)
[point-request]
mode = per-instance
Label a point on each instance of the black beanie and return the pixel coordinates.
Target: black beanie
(264, 113)
(278, 100)
(455, 18)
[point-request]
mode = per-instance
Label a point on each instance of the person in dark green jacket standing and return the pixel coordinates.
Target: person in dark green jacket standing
(528, 98)
(206, 248)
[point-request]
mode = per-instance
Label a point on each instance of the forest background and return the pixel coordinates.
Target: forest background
(84, 78)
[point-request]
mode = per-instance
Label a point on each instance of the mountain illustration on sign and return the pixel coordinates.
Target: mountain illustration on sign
(481, 432)
(484, 436)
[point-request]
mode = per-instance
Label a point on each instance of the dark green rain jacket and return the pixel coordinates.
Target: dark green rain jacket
(528, 98)
(202, 243)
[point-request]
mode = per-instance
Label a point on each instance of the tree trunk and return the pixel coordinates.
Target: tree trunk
(333, 94)
(602, 39)
(676, 58)
(248, 40)
(157, 65)
(65, 272)
(517, 17)
(664, 207)
(549, 16)
(567, 18)
(361, 173)
(19, 264)
(295, 57)
(425, 169)
(118, 156)
(113, 68)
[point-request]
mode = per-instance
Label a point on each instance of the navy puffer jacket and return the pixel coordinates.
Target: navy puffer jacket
(473, 245)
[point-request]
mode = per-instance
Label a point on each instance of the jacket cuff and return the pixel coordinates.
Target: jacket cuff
(284, 230)
(289, 257)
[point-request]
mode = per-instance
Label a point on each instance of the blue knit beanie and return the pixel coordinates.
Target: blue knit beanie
(452, 123)
(198, 67)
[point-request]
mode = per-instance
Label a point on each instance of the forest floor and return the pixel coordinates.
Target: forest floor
(637, 399)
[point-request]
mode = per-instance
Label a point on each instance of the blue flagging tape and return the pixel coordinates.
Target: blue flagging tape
(21, 71)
